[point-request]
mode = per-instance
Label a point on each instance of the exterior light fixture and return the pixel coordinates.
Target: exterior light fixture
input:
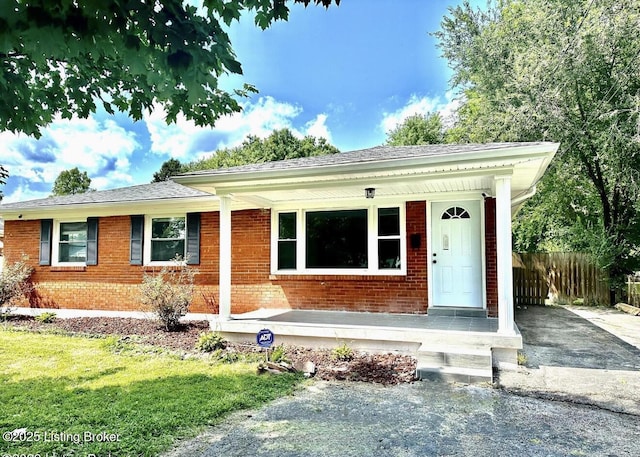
(369, 192)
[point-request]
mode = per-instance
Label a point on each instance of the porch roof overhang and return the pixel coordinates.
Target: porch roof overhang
(395, 172)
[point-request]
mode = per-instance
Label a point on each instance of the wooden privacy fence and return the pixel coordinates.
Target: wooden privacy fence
(633, 289)
(558, 277)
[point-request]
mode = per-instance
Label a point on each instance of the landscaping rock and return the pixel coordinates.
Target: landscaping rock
(633, 310)
(307, 367)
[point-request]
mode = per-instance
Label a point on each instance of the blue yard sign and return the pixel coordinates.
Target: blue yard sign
(265, 338)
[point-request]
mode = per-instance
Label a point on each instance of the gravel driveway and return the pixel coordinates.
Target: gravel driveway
(421, 419)
(578, 395)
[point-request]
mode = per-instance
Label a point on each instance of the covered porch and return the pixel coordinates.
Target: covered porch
(460, 345)
(420, 189)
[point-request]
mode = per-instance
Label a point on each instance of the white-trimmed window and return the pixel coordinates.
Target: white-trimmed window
(70, 243)
(287, 241)
(389, 239)
(368, 240)
(165, 238)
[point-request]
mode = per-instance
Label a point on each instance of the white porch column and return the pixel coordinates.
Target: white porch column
(506, 323)
(224, 301)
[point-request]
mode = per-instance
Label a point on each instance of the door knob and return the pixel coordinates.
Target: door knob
(435, 261)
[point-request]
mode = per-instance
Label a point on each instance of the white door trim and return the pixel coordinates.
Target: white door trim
(429, 236)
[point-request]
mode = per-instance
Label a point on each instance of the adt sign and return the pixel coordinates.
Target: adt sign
(265, 338)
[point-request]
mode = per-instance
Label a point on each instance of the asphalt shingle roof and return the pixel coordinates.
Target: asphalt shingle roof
(376, 154)
(145, 192)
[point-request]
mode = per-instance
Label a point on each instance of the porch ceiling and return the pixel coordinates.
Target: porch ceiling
(349, 191)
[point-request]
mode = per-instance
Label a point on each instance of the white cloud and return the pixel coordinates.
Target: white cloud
(185, 140)
(258, 119)
(318, 127)
(91, 144)
(23, 193)
(101, 148)
(422, 105)
(174, 139)
(111, 153)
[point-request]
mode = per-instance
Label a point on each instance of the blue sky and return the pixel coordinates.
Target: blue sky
(350, 74)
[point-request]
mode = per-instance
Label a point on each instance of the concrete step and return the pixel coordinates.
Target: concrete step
(456, 311)
(466, 376)
(455, 363)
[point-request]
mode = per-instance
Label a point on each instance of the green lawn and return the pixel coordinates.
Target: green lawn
(66, 391)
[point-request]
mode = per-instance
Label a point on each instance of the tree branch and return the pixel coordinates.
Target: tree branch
(593, 169)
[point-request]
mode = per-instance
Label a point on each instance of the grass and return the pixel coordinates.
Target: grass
(522, 358)
(56, 384)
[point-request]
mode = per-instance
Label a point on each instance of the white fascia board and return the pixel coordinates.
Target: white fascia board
(182, 205)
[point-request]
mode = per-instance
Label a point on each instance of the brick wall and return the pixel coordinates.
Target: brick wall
(253, 287)
(491, 257)
(113, 283)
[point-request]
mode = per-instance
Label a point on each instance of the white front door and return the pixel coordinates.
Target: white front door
(456, 254)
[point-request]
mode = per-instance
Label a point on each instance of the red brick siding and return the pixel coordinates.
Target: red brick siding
(113, 283)
(253, 286)
(250, 247)
(491, 257)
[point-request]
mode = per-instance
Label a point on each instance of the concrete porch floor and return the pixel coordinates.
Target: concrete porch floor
(466, 346)
(409, 321)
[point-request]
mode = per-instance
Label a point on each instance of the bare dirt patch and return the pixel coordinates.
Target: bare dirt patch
(386, 369)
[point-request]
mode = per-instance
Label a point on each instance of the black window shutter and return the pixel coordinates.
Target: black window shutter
(193, 239)
(46, 230)
(92, 241)
(137, 239)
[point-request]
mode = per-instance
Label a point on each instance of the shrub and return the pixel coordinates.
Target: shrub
(168, 293)
(14, 283)
(46, 317)
(343, 353)
(210, 341)
(278, 354)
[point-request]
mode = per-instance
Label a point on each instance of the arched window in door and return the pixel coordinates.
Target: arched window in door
(455, 212)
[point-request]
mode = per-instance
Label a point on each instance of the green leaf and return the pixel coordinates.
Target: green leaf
(133, 51)
(233, 66)
(108, 108)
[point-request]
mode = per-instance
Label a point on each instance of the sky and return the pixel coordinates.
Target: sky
(349, 74)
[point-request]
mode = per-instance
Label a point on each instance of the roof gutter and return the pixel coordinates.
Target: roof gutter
(522, 197)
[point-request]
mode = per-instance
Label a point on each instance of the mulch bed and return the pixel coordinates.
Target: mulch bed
(387, 369)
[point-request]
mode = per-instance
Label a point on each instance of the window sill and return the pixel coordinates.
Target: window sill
(398, 277)
(157, 267)
(67, 268)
